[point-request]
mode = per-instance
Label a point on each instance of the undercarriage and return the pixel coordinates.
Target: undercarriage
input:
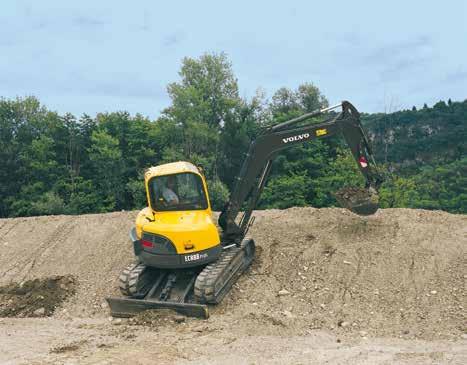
(187, 291)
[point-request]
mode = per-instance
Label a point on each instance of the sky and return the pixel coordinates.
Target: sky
(103, 56)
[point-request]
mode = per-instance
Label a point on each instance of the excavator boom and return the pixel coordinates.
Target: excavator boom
(264, 149)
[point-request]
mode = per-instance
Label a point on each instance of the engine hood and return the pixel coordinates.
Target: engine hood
(184, 229)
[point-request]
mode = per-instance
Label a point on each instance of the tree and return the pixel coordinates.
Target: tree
(310, 98)
(285, 191)
(53, 164)
(218, 194)
(205, 103)
(207, 92)
(305, 162)
(106, 162)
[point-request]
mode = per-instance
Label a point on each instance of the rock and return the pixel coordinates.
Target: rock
(179, 319)
(343, 324)
(39, 312)
(117, 321)
(433, 292)
(283, 292)
(362, 333)
(288, 314)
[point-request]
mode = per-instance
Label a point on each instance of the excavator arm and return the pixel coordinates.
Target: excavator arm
(262, 151)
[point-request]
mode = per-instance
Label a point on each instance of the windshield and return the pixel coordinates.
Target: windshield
(182, 191)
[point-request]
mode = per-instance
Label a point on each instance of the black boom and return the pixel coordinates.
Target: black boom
(257, 165)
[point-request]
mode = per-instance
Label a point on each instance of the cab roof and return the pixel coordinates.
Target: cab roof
(171, 168)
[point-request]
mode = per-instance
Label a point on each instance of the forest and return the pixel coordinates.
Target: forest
(66, 164)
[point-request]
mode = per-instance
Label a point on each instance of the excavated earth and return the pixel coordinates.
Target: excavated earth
(327, 286)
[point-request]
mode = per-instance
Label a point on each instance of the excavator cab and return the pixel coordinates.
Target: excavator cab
(176, 230)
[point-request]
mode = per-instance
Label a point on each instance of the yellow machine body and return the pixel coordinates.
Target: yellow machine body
(192, 234)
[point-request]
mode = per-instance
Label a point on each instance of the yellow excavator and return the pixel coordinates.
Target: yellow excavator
(183, 262)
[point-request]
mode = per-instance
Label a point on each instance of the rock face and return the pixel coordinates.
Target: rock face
(315, 268)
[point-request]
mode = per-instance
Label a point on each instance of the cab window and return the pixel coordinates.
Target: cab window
(182, 191)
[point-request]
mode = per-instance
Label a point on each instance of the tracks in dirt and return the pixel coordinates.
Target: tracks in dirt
(36, 252)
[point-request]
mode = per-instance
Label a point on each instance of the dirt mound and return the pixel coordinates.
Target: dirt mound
(35, 298)
(93, 248)
(399, 272)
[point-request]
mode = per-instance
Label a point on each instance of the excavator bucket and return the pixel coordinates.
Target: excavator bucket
(358, 200)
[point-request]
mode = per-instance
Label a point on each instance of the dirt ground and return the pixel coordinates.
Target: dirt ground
(327, 286)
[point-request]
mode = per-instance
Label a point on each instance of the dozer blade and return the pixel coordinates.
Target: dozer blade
(127, 307)
(358, 200)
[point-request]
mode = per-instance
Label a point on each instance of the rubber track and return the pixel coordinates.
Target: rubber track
(228, 267)
(128, 279)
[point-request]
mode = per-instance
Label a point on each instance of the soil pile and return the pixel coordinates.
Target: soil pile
(35, 298)
(93, 248)
(399, 272)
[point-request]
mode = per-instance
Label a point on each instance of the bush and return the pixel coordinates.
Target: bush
(218, 194)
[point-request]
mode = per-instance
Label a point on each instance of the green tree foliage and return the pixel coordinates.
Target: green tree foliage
(48, 203)
(106, 163)
(311, 164)
(407, 140)
(286, 191)
(61, 164)
(218, 194)
(436, 187)
(203, 101)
